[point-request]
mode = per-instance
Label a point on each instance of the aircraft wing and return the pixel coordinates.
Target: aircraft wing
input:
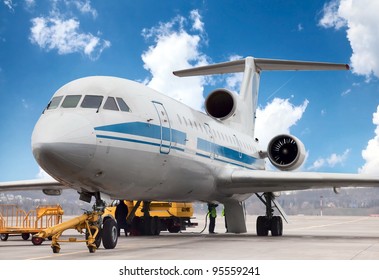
(48, 186)
(252, 181)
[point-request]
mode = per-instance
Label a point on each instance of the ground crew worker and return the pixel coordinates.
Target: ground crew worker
(223, 214)
(121, 214)
(212, 213)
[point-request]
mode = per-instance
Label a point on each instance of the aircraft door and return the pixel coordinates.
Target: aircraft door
(165, 128)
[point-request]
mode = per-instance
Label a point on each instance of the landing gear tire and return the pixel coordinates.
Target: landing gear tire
(276, 226)
(265, 224)
(109, 233)
(262, 226)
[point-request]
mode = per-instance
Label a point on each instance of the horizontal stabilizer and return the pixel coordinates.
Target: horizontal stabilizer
(260, 64)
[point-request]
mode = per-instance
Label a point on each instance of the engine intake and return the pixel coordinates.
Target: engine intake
(286, 152)
(220, 104)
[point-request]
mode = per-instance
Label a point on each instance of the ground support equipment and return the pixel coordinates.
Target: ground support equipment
(92, 223)
(16, 221)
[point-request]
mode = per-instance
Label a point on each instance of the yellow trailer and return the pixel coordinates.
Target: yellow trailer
(16, 221)
(150, 218)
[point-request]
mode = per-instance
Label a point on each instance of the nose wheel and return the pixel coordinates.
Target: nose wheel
(268, 223)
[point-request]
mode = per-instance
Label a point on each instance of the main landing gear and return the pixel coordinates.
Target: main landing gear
(269, 222)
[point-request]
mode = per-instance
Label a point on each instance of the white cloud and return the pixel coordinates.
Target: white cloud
(331, 161)
(360, 17)
(85, 7)
(55, 33)
(277, 118)
(10, 5)
(197, 23)
(42, 174)
(371, 153)
(175, 48)
(346, 92)
(234, 80)
(331, 17)
(30, 4)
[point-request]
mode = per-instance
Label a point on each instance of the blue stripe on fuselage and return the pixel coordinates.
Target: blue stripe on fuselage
(223, 151)
(154, 131)
(146, 130)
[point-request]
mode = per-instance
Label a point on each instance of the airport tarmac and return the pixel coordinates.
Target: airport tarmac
(304, 238)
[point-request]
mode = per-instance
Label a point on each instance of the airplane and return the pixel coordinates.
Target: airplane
(109, 137)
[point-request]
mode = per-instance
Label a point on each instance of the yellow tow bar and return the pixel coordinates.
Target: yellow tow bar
(88, 222)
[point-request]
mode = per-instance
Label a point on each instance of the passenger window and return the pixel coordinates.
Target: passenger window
(71, 101)
(92, 101)
(180, 121)
(54, 103)
(122, 105)
(110, 104)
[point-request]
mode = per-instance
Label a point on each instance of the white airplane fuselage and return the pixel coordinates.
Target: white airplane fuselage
(160, 149)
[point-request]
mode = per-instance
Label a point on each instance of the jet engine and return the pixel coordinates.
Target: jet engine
(221, 104)
(286, 152)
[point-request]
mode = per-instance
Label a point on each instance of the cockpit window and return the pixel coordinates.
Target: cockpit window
(110, 104)
(92, 101)
(71, 101)
(123, 105)
(54, 103)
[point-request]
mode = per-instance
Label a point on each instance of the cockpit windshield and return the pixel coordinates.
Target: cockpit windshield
(71, 101)
(54, 103)
(88, 101)
(110, 104)
(123, 105)
(92, 101)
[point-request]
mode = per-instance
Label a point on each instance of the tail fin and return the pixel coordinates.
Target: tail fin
(244, 119)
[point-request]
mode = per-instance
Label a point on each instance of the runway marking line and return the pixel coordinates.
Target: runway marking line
(327, 225)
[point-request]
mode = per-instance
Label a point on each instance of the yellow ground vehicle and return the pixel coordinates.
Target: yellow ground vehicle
(150, 218)
(16, 221)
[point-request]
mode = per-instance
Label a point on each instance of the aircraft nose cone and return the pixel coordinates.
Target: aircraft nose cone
(63, 144)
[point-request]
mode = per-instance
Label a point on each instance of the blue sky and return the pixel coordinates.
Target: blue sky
(45, 44)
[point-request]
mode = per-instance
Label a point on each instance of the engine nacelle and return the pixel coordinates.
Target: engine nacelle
(221, 104)
(286, 152)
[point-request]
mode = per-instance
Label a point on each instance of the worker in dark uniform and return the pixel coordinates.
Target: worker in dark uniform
(223, 214)
(212, 213)
(121, 215)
